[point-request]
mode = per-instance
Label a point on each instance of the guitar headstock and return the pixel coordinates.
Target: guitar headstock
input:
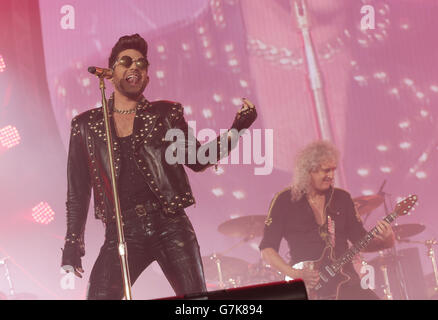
(404, 206)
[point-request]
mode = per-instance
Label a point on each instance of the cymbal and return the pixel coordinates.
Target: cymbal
(247, 226)
(367, 204)
(230, 267)
(407, 230)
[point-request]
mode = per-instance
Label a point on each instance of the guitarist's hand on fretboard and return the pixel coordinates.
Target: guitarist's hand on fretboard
(384, 237)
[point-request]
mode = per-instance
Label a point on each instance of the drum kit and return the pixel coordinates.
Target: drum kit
(389, 257)
(230, 272)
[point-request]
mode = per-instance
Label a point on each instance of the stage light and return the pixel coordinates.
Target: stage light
(229, 47)
(42, 213)
(86, 82)
(405, 145)
(217, 97)
(385, 169)
(207, 113)
(2, 64)
(424, 113)
(236, 101)
(208, 54)
(239, 194)
(382, 76)
(394, 92)
(9, 137)
(188, 110)
(408, 82)
(420, 95)
(404, 124)
(62, 92)
(382, 147)
(363, 172)
(233, 62)
(361, 80)
(218, 192)
(421, 174)
(367, 192)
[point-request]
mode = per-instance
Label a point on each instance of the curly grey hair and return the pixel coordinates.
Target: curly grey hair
(308, 160)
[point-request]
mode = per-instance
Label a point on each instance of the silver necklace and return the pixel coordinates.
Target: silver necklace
(130, 111)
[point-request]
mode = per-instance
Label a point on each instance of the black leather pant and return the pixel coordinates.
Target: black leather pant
(168, 239)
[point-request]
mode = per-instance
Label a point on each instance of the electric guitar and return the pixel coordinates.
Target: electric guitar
(331, 274)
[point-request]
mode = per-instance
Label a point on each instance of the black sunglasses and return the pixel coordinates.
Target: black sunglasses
(127, 61)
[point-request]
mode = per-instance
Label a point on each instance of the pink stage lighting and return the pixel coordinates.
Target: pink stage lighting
(9, 137)
(42, 213)
(2, 64)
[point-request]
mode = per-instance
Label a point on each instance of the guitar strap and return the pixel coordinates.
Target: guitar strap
(327, 230)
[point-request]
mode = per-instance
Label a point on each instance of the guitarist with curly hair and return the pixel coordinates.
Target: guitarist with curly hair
(316, 220)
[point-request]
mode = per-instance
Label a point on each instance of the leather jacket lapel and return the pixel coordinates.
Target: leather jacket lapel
(144, 124)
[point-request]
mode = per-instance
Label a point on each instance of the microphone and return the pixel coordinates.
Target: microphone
(101, 72)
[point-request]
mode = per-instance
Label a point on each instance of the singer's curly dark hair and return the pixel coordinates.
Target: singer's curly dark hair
(134, 41)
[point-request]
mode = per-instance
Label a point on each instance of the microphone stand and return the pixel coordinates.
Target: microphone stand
(122, 248)
(393, 251)
(315, 80)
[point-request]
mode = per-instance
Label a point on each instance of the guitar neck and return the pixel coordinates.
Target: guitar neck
(361, 244)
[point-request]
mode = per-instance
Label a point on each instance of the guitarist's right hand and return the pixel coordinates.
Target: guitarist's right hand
(310, 277)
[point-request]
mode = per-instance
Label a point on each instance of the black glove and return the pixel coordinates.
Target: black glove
(245, 117)
(71, 255)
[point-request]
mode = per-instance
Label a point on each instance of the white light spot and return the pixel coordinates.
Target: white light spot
(160, 48)
(86, 82)
(217, 97)
(239, 194)
(218, 192)
(382, 147)
(160, 74)
(233, 62)
(385, 169)
(380, 75)
(367, 192)
(421, 175)
(229, 47)
(424, 113)
(237, 101)
(405, 145)
(423, 157)
(243, 83)
(363, 172)
(188, 110)
(408, 82)
(434, 88)
(404, 124)
(207, 113)
(185, 46)
(420, 95)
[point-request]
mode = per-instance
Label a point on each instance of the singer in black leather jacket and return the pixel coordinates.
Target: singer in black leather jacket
(158, 215)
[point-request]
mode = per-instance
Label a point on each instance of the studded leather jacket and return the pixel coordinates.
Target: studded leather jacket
(88, 166)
